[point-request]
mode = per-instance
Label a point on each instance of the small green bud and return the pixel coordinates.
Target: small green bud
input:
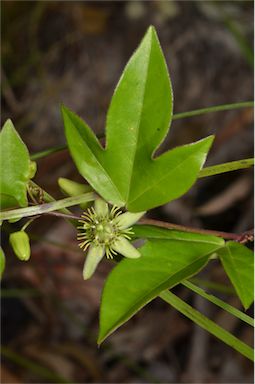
(72, 188)
(20, 244)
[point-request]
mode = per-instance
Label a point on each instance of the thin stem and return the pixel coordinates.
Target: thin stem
(207, 324)
(47, 152)
(176, 116)
(218, 287)
(49, 207)
(226, 167)
(27, 224)
(163, 224)
(55, 149)
(20, 293)
(47, 198)
(42, 195)
(220, 303)
(215, 108)
(64, 215)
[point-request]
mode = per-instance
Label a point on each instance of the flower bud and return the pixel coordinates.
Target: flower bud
(20, 244)
(72, 188)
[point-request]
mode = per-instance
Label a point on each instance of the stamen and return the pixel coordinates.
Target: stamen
(101, 230)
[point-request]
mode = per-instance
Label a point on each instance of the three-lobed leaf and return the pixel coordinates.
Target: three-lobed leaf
(163, 264)
(15, 168)
(238, 262)
(138, 119)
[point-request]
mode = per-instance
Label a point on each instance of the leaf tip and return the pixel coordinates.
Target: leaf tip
(64, 109)
(207, 142)
(151, 29)
(8, 125)
(101, 337)
(151, 33)
(246, 304)
(210, 139)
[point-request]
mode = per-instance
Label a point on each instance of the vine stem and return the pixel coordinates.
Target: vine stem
(48, 207)
(226, 167)
(244, 237)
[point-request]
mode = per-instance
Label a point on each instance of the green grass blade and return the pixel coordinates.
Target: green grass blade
(19, 293)
(220, 303)
(218, 287)
(207, 324)
(215, 108)
(33, 367)
(226, 167)
(47, 152)
(241, 40)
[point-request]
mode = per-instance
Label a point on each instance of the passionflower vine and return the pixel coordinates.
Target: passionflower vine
(107, 232)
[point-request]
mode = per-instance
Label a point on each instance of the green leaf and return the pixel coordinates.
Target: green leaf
(134, 283)
(176, 116)
(155, 182)
(153, 232)
(238, 262)
(88, 156)
(14, 168)
(207, 324)
(138, 120)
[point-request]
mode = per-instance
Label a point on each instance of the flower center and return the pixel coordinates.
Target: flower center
(104, 232)
(101, 229)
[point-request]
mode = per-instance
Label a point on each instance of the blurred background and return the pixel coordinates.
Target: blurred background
(73, 53)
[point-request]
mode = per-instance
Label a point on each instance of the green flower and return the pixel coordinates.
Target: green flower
(106, 232)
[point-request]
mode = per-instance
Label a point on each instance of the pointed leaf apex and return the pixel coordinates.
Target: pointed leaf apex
(151, 30)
